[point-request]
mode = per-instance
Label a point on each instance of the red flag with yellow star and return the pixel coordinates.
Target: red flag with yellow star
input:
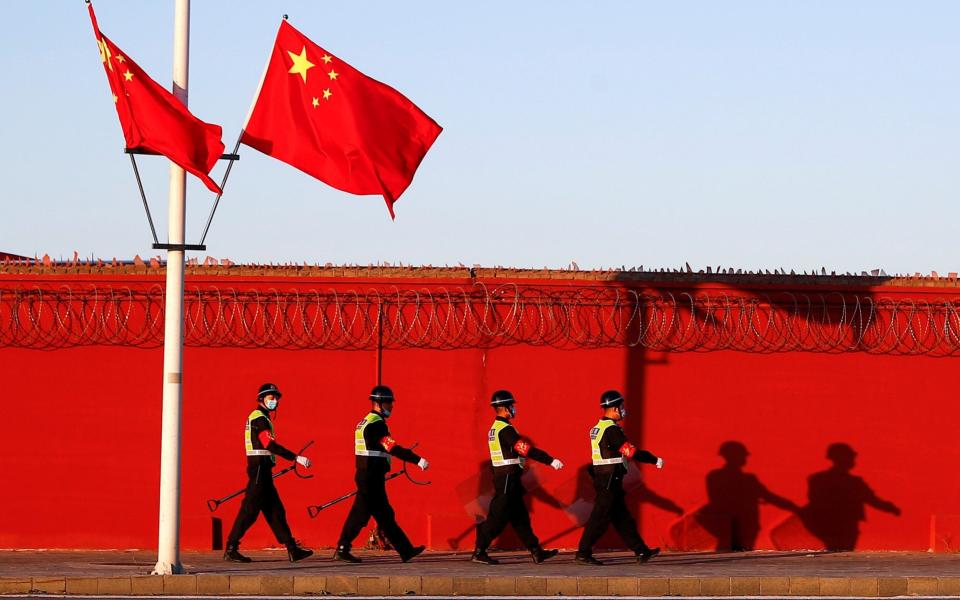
(153, 119)
(322, 116)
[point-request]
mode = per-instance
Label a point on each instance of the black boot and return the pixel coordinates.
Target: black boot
(586, 559)
(343, 553)
(295, 552)
(646, 554)
(481, 556)
(232, 553)
(415, 551)
(540, 555)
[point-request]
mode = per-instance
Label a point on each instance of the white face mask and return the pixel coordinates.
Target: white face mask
(512, 410)
(623, 412)
(385, 411)
(271, 404)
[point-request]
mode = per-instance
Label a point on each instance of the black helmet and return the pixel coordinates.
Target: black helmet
(611, 399)
(381, 393)
(501, 398)
(268, 388)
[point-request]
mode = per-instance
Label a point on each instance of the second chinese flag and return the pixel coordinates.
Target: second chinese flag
(322, 116)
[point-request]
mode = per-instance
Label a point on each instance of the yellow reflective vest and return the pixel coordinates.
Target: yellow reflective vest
(496, 452)
(248, 441)
(596, 434)
(360, 443)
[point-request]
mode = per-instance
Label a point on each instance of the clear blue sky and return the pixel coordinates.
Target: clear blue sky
(747, 134)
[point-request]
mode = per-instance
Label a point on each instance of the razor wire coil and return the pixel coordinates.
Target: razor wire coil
(484, 316)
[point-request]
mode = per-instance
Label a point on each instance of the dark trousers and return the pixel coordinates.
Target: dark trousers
(261, 497)
(507, 507)
(371, 501)
(610, 507)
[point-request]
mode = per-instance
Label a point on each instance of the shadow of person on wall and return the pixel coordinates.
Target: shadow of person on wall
(732, 512)
(837, 501)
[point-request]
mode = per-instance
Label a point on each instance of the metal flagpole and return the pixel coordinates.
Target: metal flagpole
(168, 547)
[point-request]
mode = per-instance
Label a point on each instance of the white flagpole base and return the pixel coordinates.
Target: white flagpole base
(164, 568)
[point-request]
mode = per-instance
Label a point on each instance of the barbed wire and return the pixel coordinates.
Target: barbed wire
(484, 317)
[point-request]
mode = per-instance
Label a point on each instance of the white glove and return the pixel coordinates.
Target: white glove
(423, 464)
(303, 460)
(659, 463)
(556, 464)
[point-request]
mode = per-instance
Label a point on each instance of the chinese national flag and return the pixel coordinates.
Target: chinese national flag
(322, 116)
(153, 119)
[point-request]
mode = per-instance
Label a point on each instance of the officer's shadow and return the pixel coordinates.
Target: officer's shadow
(731, 515)
(837, 504)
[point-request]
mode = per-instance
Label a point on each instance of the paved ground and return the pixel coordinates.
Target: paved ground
(447, 573)
(684, 564)
(310, 597)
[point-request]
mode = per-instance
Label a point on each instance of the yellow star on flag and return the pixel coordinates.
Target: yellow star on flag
(327, 93)
(128, 76)
(104, 53)
(300, 63)
(333, 74)
(120, 58)
(115, 98)
(316, 102)
(326, 58)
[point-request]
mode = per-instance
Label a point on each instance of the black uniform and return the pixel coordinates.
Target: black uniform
(261, 495)
(610, 506)
(371, 499)
(507, 505)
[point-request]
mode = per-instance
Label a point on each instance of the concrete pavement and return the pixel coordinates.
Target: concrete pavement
(448, 573)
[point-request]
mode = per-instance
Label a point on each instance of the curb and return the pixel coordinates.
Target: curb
(290, 585)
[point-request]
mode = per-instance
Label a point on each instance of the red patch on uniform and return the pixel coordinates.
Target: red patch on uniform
(388, 443)
(265, 438)
(521, 448)
(628, 450)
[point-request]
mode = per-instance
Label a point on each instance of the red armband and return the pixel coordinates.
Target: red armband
(265, 438)
(521, 448)
(628, 450)
(388, 443)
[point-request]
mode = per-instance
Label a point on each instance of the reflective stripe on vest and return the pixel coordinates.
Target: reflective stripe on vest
(496, 452)
(360, 443)
(596, 434)
(248, 441)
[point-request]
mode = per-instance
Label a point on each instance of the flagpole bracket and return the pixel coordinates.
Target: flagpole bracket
(181, 247)
(132, 152)
(232, 156)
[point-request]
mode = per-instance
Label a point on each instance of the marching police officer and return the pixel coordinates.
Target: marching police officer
(373, 448)
(508, 451)
(610, 451)
(261, 495)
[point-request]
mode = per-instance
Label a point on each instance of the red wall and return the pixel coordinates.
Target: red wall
(81, 452)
